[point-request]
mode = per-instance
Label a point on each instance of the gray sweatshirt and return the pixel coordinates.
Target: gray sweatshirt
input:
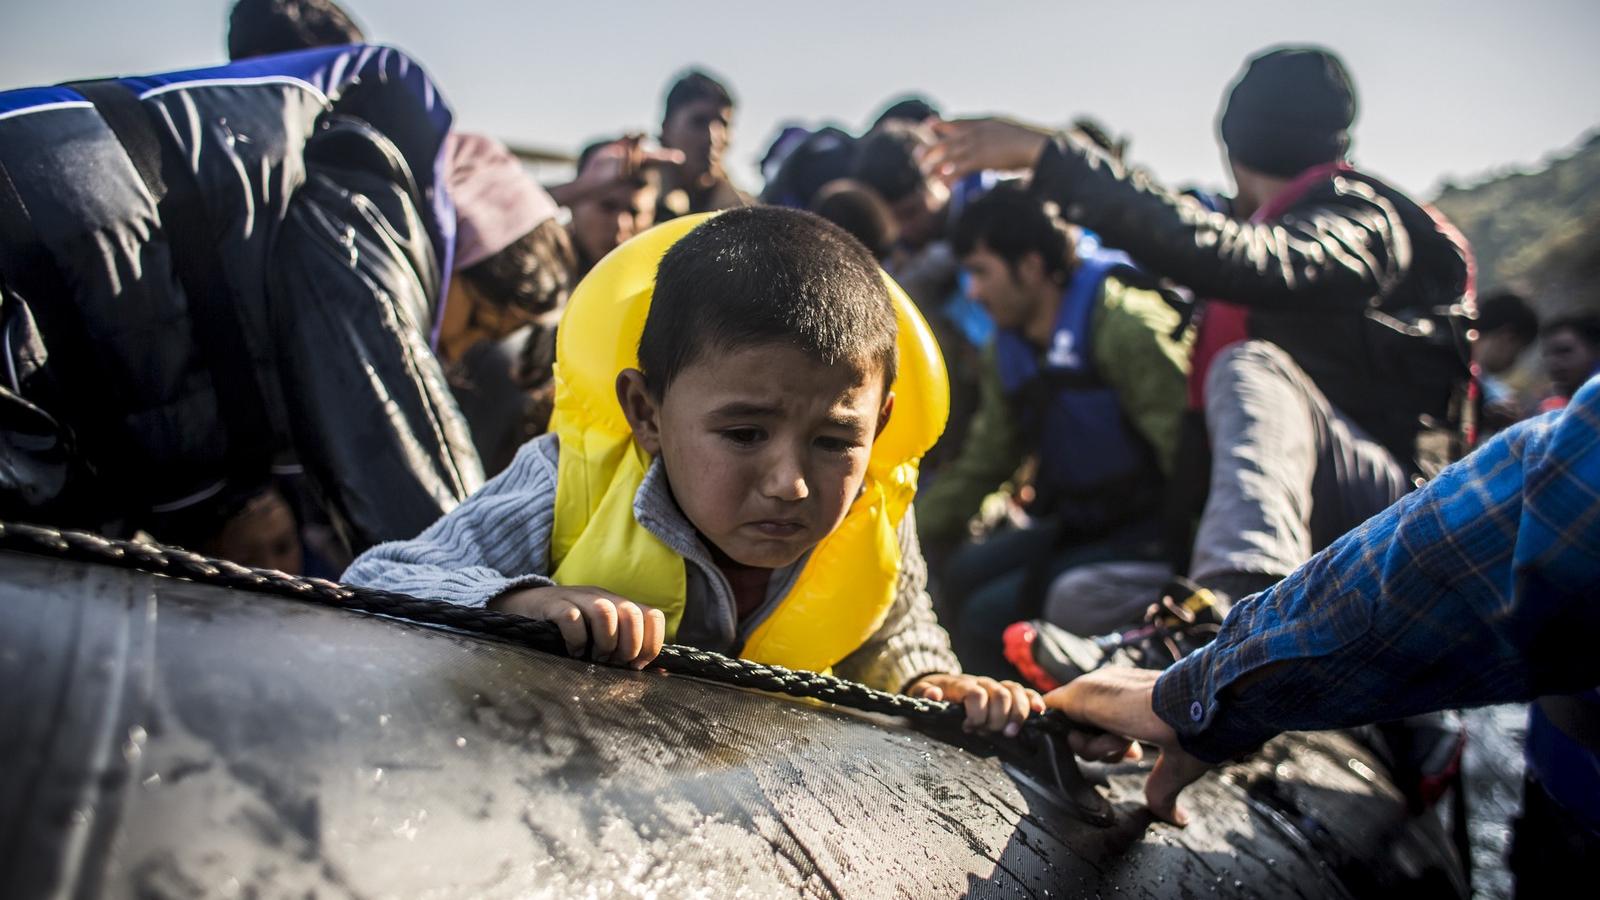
(499, 540)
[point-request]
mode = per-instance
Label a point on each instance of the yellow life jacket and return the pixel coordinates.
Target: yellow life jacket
(845, 590)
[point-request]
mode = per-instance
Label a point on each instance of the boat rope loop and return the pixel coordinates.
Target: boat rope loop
(157, 559)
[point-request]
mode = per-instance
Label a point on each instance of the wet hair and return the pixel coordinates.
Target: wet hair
(1012, 223)
(1585, 325)
(262, 27)
(693, 86)
(859, 210)
(911, 108)
(762, 275)
(534, 273)
(886, 161)
(1510, 311)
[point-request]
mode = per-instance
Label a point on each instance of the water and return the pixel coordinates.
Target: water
(1493, 769)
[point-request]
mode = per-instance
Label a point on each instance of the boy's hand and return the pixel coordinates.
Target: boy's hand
(1118, 700)
(624, 633)
(991, 705)
(972, 145)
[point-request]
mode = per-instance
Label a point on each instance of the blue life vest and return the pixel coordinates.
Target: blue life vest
(1094, 469)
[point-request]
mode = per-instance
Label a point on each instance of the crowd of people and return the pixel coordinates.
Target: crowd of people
(1188, 466)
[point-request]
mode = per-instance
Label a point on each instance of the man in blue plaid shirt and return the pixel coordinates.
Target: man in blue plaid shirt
(1482, 587)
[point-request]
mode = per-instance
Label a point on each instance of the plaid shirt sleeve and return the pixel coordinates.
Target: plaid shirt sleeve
(1482, 587)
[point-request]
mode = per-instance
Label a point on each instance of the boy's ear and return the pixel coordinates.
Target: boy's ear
(640, 409)
(883, 414)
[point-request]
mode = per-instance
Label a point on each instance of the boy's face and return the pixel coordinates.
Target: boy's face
(765, 447)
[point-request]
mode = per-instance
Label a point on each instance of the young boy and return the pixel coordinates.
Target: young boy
(745, 503)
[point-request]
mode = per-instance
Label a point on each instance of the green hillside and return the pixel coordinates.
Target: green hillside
(1537, 231)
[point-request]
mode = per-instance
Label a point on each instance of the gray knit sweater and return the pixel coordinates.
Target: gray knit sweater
(499, 540)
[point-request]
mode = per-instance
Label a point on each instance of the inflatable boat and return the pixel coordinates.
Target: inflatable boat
(216, 731)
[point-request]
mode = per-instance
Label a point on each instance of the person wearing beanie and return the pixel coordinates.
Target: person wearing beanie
(1291, 110)
(1331, 357)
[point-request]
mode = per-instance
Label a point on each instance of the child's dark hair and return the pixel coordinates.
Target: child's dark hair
(763, 275)
(1012, 223)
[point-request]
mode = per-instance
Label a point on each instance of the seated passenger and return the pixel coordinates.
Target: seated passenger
(1086, 376)
(735, 483)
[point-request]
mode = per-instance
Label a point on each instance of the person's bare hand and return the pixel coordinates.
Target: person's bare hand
(991, 705)
(1118, 700)
(624, 633)
(621, 160)
(965, 146)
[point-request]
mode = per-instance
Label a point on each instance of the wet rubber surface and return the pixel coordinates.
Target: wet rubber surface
(165, 739)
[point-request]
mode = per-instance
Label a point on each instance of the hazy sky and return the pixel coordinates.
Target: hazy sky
(1448, 87)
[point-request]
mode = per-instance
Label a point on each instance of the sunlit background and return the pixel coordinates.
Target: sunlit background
(1449, 90)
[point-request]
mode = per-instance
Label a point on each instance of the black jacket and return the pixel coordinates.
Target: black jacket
(1368, 291)
(299, 194)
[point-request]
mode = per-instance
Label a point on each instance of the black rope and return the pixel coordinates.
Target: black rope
(680, 660)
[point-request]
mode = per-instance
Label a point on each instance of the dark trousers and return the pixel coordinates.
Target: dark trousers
(988, 586)
(1552, 853)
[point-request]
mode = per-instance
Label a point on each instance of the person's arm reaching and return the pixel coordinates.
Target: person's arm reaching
(1340, 253)
(1478, 588)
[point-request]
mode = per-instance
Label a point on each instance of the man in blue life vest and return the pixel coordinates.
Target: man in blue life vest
(1085, 377)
